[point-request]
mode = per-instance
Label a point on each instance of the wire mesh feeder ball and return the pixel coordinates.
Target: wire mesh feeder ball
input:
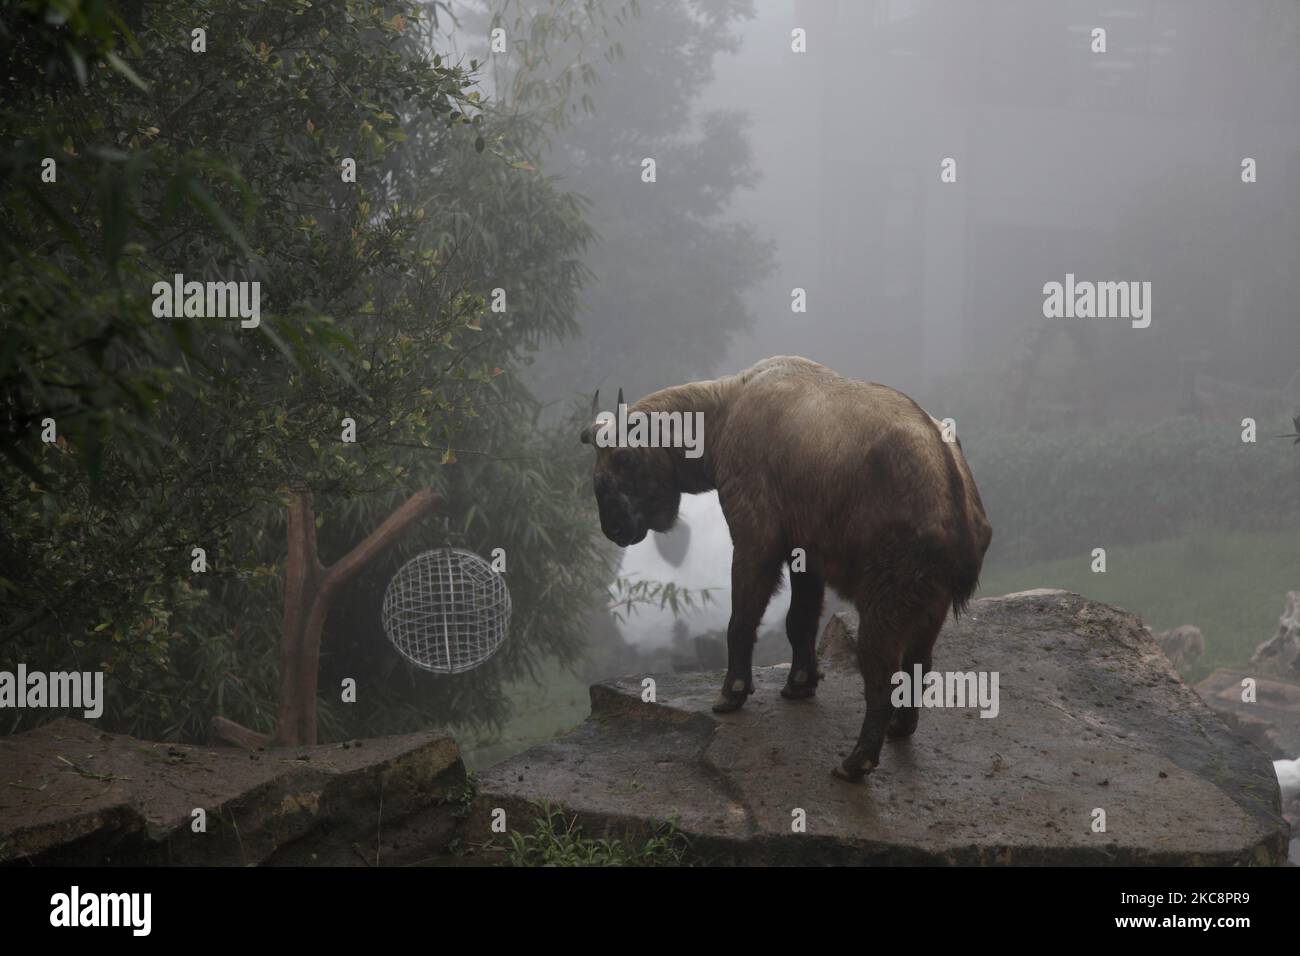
(446, 611)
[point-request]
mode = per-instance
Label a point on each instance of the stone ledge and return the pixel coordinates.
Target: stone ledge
(1092, 715)
(71, 794)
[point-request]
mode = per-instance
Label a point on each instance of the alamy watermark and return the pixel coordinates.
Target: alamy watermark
(58, 690)
(946, 689)
(75, 908)
(651, 430)
(1098, 300)
(179, 299)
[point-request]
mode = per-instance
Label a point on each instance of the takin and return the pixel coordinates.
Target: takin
(851, 482)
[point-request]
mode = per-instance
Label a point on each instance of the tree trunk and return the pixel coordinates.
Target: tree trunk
(301, 582)
(309, 589)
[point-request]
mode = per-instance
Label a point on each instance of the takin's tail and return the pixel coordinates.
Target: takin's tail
(964, 563)
(913, 570)
(964, 558)
(962, 587)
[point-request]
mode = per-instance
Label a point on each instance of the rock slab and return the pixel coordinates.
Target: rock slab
(1092, 717)
(73, 795)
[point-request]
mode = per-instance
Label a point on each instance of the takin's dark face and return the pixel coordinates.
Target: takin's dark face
(635, 492)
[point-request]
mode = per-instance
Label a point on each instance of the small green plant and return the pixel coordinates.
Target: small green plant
(627, 596)
(463, 798)
(559, 841)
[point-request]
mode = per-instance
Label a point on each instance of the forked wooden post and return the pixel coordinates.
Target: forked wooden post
(309, 590)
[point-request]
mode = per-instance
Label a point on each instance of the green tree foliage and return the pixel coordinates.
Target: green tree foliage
(376, 306)
(1061, 492)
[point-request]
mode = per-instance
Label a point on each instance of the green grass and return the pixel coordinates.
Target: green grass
(559, 841)
(1231, 586)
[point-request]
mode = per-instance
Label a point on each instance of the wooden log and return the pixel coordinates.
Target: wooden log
(227, 731)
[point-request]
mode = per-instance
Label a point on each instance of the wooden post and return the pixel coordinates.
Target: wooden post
(301, 581)
(327, 584)
(309, 590)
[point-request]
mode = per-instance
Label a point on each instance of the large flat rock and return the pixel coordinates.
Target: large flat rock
(73, 795)
(1092, 716)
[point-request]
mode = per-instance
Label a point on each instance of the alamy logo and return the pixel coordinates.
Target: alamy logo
(59, 690)
(103, 909)
(651, 430)
(1098, 300)
(946, 689)
(179, 299)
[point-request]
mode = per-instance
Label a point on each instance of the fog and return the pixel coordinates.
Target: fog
(925, 169)
(1123, 165)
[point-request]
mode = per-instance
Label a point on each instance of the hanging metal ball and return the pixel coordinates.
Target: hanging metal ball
(446, 611)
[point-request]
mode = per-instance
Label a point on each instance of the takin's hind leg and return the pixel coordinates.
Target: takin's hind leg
(866, 753)
(807, 596)
(920, 651)
(890, 626)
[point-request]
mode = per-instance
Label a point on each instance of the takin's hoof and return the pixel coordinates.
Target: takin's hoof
(798, 687)
(902, 724)
(726, 703)
(852, 773)
(729, 700)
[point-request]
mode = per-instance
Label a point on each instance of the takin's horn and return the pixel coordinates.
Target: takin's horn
(586, 436)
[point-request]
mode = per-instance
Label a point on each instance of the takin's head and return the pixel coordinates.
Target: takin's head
(636, 489)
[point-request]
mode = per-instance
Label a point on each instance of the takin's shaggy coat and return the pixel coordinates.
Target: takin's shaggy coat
(851, 475)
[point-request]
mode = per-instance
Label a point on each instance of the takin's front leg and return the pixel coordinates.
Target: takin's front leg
(753, 579)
